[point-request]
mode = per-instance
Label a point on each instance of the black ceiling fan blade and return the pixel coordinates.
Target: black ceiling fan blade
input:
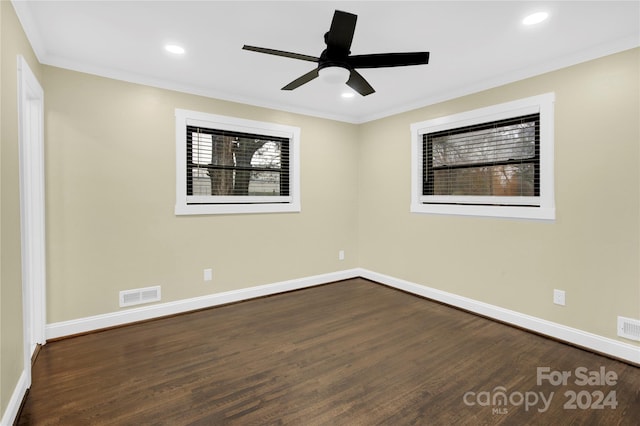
(381, 60)
(359, 84)
(340, 34)
(281, 53)
(302, 80)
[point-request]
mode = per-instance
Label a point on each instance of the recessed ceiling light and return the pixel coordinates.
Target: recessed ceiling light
(174, 48)
(348, 95)
(535, 18)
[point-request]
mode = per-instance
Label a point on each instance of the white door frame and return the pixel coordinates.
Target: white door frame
(32, 210)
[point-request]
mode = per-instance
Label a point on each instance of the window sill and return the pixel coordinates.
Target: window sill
(509, 212)
(208, 209)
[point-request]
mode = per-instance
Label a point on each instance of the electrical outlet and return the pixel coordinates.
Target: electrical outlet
(208, 274)
(558, 297)
(341, 255)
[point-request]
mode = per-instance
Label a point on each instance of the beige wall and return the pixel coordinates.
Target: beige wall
(591, 251)
(13, 42)
(110, 184)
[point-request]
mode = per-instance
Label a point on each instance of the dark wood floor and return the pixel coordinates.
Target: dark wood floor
(347, 353)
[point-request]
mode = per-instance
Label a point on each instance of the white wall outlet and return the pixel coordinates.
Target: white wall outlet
(341, 255)
(208, 274)
(558, 297)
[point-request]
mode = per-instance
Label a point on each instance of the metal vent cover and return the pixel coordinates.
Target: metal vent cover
(139, 296)
(629, 328)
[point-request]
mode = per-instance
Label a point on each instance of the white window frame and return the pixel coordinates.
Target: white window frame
(202, 205)
(521, 207)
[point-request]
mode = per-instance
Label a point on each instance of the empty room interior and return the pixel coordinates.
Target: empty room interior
(320, 212)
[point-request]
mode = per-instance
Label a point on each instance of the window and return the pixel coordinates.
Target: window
(230, 165)
(485, 161)
(495, 161)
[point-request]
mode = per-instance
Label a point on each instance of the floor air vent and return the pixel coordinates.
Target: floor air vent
(138, 296)
(629, 328)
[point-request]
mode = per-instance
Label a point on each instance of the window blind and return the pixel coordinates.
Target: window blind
(488, 163)
(224, 164)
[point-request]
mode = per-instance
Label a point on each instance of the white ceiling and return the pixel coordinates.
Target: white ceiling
(474, 45)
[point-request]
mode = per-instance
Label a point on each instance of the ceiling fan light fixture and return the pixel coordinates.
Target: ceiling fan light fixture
(334, 75)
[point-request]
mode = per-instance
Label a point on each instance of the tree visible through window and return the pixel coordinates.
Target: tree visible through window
(226, 163)
(231, 165)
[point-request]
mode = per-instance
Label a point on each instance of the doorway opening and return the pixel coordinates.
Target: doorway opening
(32, 210)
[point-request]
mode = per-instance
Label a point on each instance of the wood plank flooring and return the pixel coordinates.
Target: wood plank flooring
(347, 353)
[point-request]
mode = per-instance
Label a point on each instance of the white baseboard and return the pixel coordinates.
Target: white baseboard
(594, 342)
(97, 322)
(17, 396)
(571, 335)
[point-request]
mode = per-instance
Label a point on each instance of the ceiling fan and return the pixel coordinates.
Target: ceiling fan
(335, 62)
